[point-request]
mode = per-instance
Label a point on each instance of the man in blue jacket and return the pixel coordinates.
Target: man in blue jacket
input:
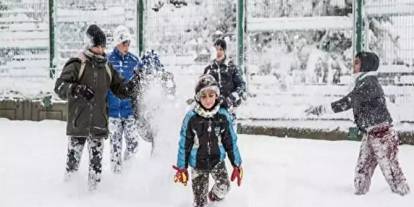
(122, 120)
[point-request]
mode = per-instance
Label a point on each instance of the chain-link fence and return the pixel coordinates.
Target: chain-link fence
(390, 33)
(186, 30)
(24, 38)
(298, 53)
(73, 17)
(311, 41)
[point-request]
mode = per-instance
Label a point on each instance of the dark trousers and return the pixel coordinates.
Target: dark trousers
(74, 155)
(200, 181)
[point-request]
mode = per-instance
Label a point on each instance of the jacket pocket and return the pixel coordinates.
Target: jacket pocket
(78, 113)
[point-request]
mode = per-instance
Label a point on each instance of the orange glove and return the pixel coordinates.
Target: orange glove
(181, 175)
(237, 173)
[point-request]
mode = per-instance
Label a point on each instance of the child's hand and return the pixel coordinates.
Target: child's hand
(237, 173)
(181, 175)
(315, 110)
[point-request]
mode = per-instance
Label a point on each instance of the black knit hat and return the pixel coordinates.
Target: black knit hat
(205, 82)
(369, 61)
(95, 36)
(221, 43)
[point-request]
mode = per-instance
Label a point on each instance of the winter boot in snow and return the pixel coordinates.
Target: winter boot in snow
(213, 198)
(117, 169)
(68, 176)
(128, 155)
(402, 189)
(200, 205)
(93, 181)
(361, 186)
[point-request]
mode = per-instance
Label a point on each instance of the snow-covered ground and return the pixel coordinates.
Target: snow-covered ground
(281, 172)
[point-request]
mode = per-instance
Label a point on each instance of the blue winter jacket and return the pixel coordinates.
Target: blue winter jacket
(204, 141)
(125, 66)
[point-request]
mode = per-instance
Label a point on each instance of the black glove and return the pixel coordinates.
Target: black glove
(84, 91)
(132, 86)
(233, 100)
(315, 110)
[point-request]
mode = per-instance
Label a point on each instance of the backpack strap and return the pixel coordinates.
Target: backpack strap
(82, 70)
(108, 70)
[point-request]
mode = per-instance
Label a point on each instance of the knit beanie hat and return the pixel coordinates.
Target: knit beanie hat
(95, 37)
(121, 34)
(206, 82)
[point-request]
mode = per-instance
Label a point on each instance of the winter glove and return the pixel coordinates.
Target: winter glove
(81, 90)
(190, 101)
(132, 85)
(315, 110)
(235, 99)
(237, 173)
(181, 175)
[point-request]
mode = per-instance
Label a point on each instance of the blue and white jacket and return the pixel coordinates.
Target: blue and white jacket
(206, 137)
(125, 66)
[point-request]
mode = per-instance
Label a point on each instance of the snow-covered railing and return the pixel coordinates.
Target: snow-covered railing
(24, 39)
(389, 8)
(299, 23)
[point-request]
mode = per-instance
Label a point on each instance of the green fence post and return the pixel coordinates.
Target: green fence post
(51, 39)
(240, 34)
(359, 24)
(140, 19)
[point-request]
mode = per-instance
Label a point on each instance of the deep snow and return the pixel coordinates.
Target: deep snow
(278, 172)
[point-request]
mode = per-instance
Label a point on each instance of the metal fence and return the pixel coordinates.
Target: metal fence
(186, 30)
(300, 53)
(390, 32)
(24, 38)
(73, 17)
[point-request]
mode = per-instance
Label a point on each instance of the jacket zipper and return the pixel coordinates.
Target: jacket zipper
(91, 104)
(208, 142)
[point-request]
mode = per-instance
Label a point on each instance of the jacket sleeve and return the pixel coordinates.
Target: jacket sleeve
(239, 83)
(186, 142)
(342, 104)
(118, 87)
(67, 80)
(363, 91)
(229, 140)
(206, 70)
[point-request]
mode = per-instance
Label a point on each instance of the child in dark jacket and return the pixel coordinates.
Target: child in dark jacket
(206, 135)
(379, 145)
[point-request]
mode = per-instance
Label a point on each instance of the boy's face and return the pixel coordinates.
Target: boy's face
(99, 50)
(357, 65)
(208, 99)
(123, 47)
(219, 53)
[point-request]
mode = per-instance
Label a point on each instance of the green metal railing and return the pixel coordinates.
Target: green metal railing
(165, 31)
(359, 25)
(52, 66)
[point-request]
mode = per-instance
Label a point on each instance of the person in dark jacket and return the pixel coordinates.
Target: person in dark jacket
(206, 135)
(122, 116)
(84, 83)
(379, 145)
(228, 76)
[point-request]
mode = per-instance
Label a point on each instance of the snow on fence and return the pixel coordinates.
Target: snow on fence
(24, 39)
(389, 8)
(299, 23)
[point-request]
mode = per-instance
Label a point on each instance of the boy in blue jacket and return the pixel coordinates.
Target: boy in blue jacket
(205, 138)
(122, 120)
